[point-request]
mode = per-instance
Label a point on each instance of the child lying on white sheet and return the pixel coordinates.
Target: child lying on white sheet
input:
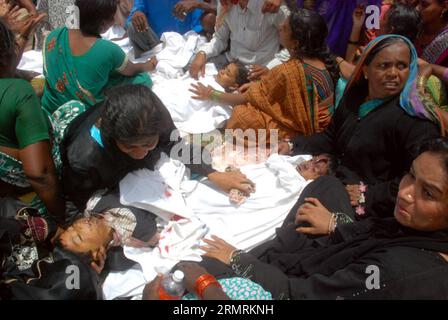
(193, 116)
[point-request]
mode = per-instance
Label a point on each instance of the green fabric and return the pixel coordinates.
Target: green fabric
(365, 108)
(368, 106)
(11, 170)
(339, 92)
(22, 120)
(438, 92)
(83, 77)
(310, 90)
(239, 289)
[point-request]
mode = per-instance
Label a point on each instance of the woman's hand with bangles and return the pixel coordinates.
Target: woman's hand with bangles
(218, 249)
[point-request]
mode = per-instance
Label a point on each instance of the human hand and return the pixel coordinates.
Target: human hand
(232, 180)
(256, 72)
(359, 15)
(24, 27)
(184, 7)
(11, 16)
(27, 29)
(198, 66)
(314, 213)
(201, 92)
(99, 258)
(424, 68)
(140, 22)
(284, 149)
(151, 64)
(218, 249)
(192, 271)
(354, 193)
(271, 6)
(244, 87)
(307, 170)
(150, 292)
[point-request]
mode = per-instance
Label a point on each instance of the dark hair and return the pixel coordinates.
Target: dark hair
(404, 20)
(94, 13)
(362, 86)
(243, 73)
(438, 146)
(131, 113)
(7, 45)
(310, 29)
(332, 164)
(382, 45)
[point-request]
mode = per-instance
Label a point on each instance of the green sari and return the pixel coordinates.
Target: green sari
(84, 77)
(11, 169)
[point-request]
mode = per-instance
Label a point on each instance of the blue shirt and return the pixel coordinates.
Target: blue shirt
(160, 16)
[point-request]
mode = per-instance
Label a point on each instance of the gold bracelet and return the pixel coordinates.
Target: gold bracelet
(215, 95)
(421, 82)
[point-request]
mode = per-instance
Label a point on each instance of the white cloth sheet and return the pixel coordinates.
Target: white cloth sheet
(209, 212)
(189, 115)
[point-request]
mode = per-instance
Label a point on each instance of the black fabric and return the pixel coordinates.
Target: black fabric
(88, 167)
(296, 267)
(49, 280)
(330, 192)
(46, 278)
(377, 149)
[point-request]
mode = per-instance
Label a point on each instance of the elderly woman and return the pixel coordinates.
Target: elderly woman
(79, 65)
(376, 127)
(404, 257)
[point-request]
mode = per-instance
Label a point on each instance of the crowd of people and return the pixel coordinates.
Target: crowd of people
(370, 105)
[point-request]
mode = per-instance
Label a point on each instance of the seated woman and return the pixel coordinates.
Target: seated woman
(375, 129)
(404, 257)
(191, 115)
(128, 131)
(79, 65)
(26, 163)
(296, 97)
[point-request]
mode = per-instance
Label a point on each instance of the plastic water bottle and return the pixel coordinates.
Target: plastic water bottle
(171, 287)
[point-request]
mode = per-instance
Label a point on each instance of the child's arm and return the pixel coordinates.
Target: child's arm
(208, 93)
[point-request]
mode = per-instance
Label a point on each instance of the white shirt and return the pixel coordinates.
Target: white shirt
(253, 36)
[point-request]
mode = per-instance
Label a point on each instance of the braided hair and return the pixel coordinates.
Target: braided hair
(7, 45)
(310, 30)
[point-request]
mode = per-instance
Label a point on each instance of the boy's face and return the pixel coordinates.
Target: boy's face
(226, 77)
(316, 167)
(86, 235)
